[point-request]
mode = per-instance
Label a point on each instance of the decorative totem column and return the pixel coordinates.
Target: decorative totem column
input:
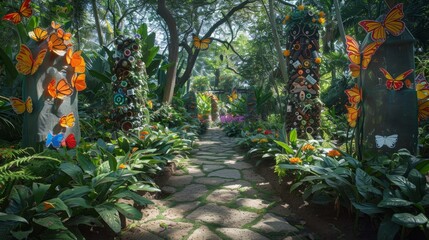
(251, 111)
(53, 76)
(214, 107)
(129, 85)
(389, 106)
(191, 104)
(302, 52)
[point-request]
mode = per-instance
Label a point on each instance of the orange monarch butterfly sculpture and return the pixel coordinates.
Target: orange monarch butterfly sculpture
(395, 83)
(57, 45)
(392, 24)
(27, 65)
(24, 11)
(202, 44)
(78, 82)
(59, 90)
(352, 115)
(38, 34)
(354, 55)
(76, 60)
(67, 120)
(20, 106)
(354, 95)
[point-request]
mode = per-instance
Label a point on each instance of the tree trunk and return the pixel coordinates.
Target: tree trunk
(97, 22)
(282, 61)
(173, 50)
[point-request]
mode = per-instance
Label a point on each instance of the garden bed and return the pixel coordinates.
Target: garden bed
(320, 219)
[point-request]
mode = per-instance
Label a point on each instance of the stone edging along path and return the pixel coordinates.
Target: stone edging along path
(216, 195)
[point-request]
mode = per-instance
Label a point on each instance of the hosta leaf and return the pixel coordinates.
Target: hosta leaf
(52, 222)
(128, 211)
(110, 215)
(409, 220)
(394, 202)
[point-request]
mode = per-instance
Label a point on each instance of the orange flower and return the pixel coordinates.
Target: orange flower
(321, 14)
(322, 20)
(134, 149)
(47, 206)
(318, 60)
(259, 130)
(122, 166)
(255, 140)
(286, 53)
(150, 104)
(287, 18)
(313, 20)
(143, 134)
(334, 153)
(301, 7)
(263, 140)
(295, 160)
(308, 147)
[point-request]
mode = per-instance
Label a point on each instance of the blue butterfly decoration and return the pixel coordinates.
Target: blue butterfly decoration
(54, 140)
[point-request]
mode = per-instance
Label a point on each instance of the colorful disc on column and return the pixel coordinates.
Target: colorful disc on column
(119, 99)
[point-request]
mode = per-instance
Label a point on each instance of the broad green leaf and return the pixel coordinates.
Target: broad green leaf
(85, 163)
(394, 202)
(407, 188)
(423, 166)
(285, 146)
(419, 181)
(77, 202)
(128, 211)
(39, 191)
(54, 204)
(100, 76)
(143, 187)
(409, 220)
(293, 137)
(84, 220)
(110, 215)
(78, 191)
(12, 217)
(21, 234)
(126, 194)
(9, 67)
(363, 182)
(368, 208)
(73, 171)
(387, 229)
(52, 222)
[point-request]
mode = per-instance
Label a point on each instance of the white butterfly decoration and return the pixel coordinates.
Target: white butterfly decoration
(389, 141)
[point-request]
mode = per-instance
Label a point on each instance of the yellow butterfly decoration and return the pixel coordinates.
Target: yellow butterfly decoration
(38, 34)
(28, 65)
(20, 106)
(202, 44)
(233, 96)
(67, 120)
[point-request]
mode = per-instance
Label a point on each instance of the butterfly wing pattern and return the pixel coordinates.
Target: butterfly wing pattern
(201, 44)
(392, 24)
(388, 141)
(24, 11)
(67, 76)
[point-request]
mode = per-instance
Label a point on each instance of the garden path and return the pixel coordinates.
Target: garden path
(216, 195)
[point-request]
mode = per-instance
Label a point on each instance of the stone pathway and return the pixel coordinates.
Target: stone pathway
(215, 196)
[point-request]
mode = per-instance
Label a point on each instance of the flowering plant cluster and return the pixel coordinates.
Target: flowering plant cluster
(303, 14)
(231, 118)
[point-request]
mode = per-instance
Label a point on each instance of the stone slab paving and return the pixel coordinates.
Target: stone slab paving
(216, 195)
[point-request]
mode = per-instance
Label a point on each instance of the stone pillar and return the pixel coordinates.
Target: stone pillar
(388, 118)
(61, 102)
(129, 85)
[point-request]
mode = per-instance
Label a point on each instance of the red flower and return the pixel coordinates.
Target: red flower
(266, 132)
